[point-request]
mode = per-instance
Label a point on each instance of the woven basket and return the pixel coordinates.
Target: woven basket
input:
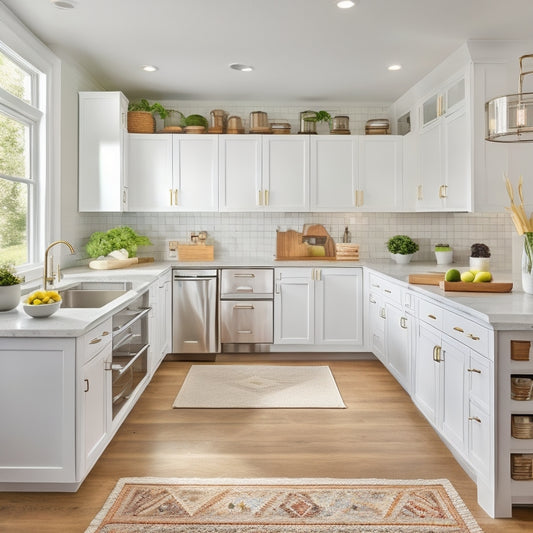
(140, 122)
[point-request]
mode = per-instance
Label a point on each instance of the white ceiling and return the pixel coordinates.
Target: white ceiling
(302, 50)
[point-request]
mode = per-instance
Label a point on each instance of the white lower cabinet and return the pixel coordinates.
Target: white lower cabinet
(318, 306)
(397, 344)
(160, 298)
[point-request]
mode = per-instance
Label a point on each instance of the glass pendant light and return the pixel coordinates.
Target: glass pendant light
(510, 118)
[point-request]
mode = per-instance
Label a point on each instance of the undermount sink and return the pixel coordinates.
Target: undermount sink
(94, 294)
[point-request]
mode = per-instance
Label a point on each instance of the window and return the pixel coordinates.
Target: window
(22, 158)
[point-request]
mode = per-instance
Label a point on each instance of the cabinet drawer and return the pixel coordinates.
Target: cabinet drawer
(385, 288)
(248, 321)
(430, 313)
(466, 331)
(479, 379)
(245, 283)
(96, 339)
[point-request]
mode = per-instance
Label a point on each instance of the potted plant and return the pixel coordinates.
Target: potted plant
(196, 124)
(9, 287)
(141, 116)
(402, 248)
(309, 120)
(121, 237)
(479, 258)
(444, 254)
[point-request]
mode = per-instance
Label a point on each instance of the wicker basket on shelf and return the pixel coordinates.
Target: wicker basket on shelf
(140, 122)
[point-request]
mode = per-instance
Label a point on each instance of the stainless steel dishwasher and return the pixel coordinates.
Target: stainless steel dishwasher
(194, 312)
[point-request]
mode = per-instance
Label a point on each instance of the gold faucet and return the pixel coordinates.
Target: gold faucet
(50, 279)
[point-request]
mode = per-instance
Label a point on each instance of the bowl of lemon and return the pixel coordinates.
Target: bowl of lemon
(40, 304)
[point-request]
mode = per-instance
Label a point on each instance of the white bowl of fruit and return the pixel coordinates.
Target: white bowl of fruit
(40, 304)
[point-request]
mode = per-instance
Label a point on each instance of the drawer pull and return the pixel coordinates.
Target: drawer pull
(243, 307)
(105, 333)
(475, 370)
(86, 385)
(403, 322)
(387, 290)
(371, 300)
(375, 285)
(475, 419)
(433, 317)
(190, 342)
(382, 313)
(460, 330)
(437, 352)
(95, 341)
(245, 332)
(473, 337)
(244, 275)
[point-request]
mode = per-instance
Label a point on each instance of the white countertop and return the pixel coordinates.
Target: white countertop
(502, 311)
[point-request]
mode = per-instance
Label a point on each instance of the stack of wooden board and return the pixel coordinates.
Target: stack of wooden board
(347, 251)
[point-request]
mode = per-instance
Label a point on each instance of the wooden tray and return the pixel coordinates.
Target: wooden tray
(111, 264)
(430, 278)
(461, 286)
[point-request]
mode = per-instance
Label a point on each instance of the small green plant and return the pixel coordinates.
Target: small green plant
(8, 275)
(479, 250)
(320, 116)
(196, 120)
(144, 105)
(402, 244)
(443, 248)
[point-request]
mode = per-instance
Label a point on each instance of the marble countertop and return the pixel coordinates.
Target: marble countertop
(502, 311)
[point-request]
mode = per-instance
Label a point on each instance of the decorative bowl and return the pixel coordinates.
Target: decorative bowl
(41, 311)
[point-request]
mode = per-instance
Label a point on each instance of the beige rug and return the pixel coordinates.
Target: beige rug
(155, 505)
(259, 386)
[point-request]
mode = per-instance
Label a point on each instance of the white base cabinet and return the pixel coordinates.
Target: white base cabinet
(318, 306)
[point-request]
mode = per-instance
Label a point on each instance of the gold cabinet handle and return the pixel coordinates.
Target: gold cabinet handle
(375, 285)
(419, 195)
(475, 419)
(260, 197)
(105, 333)
(475, 370)
(361, 198)
(460, 330)
(170, 192)
(355, 198)
(403, 322)
(443, 191)
(382, 313)
(371, 300)
(95, 341)
(175, 196)
(437, 354)
(387, 291)
(433, 317)
(267, 197)
(473, 337)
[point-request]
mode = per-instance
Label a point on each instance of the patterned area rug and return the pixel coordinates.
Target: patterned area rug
(259, 386)
(151, 505)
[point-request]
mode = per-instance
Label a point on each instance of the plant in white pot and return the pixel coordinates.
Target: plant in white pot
(444, 254)
(479, 258)
(9, 287)
(402, 248)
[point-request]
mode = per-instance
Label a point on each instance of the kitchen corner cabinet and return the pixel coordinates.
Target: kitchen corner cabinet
(173, 172)
(321, 306)
(264, 172)
(102, 152)
(356, 172)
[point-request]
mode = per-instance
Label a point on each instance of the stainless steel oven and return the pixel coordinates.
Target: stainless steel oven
(246, 309)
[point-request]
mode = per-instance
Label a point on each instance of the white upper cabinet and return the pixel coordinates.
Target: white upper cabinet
(356, 172)
(173, 172)
(102, 157)
(264, 172)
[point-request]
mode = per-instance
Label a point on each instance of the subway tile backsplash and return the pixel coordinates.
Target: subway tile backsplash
(254, 234)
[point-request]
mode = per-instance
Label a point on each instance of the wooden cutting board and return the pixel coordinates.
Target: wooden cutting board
(111, 264)
(430, 278)
(461, 286)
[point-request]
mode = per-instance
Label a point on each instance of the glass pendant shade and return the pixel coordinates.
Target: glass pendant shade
(510, 118)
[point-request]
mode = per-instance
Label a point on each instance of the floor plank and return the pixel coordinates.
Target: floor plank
(380, 435)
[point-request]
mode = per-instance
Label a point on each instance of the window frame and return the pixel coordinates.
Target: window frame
(30, 54)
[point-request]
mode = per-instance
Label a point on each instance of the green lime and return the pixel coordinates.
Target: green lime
(452, 275)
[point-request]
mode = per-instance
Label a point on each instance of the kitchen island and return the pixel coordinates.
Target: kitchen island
(452, 352)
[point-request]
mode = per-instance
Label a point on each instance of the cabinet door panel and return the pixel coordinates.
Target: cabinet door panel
(240, 172)
(380, 172)
(286, 172)
(339, 306)
(195, 171)
(458, 191)
(333, 173)
(431, 166)
(150, 172)
(397, 338)
(294, 310)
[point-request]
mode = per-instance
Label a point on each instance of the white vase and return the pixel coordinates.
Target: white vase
(9, 297)
(444, 257)
(527, 264)
(402, 259)
(482, 264)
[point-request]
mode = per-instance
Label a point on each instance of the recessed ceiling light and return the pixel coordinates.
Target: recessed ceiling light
(242, 68)
(63, 4)
(149, 68)
(346, 4)
(394, 67)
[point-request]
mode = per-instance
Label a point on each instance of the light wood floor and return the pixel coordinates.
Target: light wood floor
(381, 434)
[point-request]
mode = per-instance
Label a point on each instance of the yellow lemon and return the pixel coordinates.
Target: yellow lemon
(36, 301)
(482, 277)
(467, 276)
